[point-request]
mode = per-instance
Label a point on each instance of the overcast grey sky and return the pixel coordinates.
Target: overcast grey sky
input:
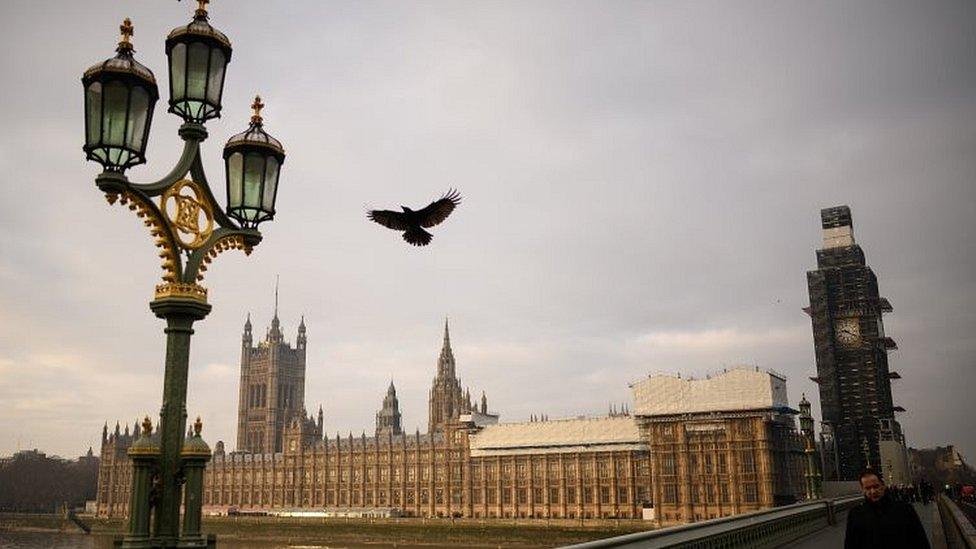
(642, 184)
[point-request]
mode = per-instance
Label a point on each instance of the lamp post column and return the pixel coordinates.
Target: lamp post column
(180, 314)
(188, 226)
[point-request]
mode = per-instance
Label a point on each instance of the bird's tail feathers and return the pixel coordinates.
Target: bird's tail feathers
(417, 236)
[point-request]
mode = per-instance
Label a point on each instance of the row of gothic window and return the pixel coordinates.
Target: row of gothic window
(603, 495)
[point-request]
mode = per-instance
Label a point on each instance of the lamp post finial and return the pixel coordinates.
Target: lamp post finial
(126, 30)
(256, 106)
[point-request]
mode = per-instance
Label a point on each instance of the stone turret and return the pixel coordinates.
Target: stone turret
(388, 419)
(302, 339)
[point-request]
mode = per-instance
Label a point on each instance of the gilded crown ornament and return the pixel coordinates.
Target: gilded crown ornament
(256, 107)
(127, 31)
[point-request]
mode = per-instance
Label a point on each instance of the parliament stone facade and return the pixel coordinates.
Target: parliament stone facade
(677, 462)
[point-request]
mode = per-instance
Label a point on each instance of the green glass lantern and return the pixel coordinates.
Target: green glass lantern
(120, 94)
(253, 162)
(198, 56)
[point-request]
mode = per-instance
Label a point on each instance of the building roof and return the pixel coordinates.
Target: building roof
(557, 436)
(742, 388)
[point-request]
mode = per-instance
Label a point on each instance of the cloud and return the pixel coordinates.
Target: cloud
(641, 186)
(219, 372)
(716, 341)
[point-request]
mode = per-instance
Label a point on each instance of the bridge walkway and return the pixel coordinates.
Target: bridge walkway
(968, 509)
(833, 536)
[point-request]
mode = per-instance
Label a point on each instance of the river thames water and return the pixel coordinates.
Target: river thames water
(56, 540)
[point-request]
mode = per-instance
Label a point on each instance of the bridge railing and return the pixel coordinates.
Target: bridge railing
(758, 530)
(959, 530)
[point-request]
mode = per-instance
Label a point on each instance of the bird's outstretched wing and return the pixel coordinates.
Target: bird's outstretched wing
(438, 210)
(389, 219)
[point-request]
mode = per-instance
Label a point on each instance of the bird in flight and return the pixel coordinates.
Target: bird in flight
(413, 223)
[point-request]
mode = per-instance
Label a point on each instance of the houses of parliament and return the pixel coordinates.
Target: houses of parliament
(678, 455)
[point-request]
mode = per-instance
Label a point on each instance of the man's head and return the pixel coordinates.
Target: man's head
(872, 485)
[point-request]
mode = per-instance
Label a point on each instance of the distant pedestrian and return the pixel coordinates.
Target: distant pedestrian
(928, 492)
(881, 522)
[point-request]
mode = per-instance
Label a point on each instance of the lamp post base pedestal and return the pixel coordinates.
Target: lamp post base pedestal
(130, 542)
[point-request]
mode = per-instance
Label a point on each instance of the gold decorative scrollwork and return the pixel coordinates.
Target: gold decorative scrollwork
(180, 289)
(189, 213)
(230, 242)
(157, 229)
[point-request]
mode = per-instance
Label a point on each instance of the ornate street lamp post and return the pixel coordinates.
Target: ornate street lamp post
(190, 230)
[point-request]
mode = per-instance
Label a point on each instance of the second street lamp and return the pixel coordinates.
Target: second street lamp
(120, 94)
(198, 56)
(190, 229)
(253, 159)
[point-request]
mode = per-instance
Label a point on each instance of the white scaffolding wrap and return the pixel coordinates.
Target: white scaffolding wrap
(558, 436)
(736, 389)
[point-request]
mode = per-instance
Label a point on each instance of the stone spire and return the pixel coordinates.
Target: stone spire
(484, 403)
(446, 396)
(445, 363)
(274, 334)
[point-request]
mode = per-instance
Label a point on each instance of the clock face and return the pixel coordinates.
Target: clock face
(847, 331)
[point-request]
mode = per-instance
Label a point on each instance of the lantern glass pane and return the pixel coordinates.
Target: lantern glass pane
(196, 77)
(253, 172)
(217, 65)
(177, 68)
(270, 183)
(93, 104)
(114, 114)
(138, 112)
(235, 167)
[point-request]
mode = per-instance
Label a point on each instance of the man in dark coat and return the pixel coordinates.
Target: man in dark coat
(881, 522)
